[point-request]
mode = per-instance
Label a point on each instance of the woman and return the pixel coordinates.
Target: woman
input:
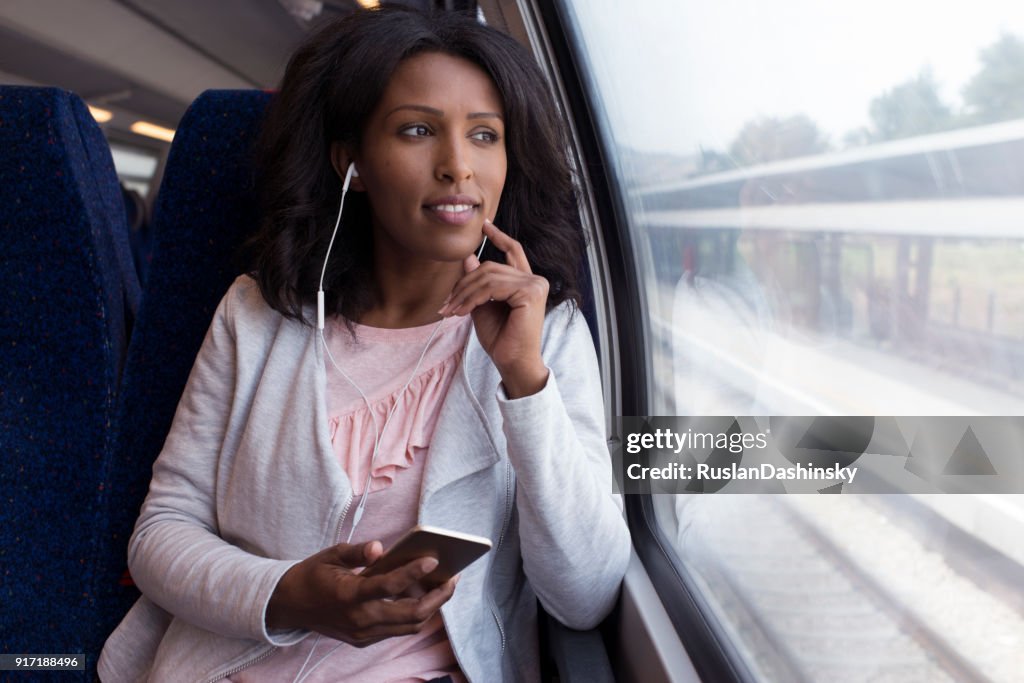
(441, 391)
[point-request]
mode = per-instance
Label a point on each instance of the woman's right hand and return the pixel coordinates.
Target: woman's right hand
(323, 594)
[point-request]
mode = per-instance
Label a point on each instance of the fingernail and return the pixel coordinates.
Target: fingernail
(428, 565)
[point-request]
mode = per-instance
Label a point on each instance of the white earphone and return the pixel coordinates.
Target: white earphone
(320, 292)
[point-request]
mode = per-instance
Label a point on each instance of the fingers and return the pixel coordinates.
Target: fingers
(417, 609)
(354, 555)
(436, 597)
(494, 282)
(382, 619)
(396, 581)
(515, 256)
(322, 593)
(372, 551)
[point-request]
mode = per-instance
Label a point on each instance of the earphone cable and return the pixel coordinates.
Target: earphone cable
(313, 668)
(311, 651)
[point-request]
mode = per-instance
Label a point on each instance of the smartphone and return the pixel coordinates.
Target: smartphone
(453, 550)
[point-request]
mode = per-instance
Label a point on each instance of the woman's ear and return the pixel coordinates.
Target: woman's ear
(340, 159)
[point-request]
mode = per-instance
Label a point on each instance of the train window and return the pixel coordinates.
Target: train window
(826, 201)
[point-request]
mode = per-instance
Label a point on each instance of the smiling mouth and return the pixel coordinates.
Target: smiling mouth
(453, 214)
(453, 208)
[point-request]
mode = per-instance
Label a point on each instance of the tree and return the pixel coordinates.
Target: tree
(770, 138)
(909, 109)
(996, 92)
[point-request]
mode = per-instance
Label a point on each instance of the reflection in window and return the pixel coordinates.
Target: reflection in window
(828, 204)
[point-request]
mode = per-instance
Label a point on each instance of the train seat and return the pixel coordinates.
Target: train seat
(205, 209)
(66, 308)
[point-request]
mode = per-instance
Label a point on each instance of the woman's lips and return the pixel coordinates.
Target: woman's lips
(452, 214)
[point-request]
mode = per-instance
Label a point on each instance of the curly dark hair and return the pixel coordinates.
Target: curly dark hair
(331, 86)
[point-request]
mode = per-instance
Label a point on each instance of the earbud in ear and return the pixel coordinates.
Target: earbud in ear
(349, 174)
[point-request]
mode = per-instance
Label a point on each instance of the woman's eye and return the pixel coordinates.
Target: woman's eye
(416, 130)
(485, 136)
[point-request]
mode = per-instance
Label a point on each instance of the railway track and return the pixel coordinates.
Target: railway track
(810, 589)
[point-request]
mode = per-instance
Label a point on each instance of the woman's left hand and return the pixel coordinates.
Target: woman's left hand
(507, 302)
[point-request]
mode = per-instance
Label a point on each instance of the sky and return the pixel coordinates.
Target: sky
(684, 74)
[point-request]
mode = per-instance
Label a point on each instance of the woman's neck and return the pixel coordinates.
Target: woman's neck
(409, 295)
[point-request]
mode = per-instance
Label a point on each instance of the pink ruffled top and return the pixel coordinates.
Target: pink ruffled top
(380, 361)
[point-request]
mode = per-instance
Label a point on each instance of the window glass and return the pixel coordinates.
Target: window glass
(827, 203)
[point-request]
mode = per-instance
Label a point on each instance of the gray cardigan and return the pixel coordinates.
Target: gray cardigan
(247, 486)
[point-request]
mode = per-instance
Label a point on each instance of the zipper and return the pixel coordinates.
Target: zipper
(504, 528)
(232, 672)
(508, 502)
(322, 363)
(341, 522)
(497, 620)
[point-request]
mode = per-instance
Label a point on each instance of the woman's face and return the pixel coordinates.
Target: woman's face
(432, 160)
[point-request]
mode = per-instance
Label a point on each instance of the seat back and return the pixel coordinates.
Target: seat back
(111, 198)
(205, 209)
(63, 330)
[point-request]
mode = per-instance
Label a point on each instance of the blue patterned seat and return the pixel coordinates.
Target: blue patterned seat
(66, 303)
(205, 209)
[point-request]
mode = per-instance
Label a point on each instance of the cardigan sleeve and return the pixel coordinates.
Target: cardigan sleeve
(574, 540)
(175, 555)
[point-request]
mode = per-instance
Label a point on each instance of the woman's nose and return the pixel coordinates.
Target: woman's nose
(453, 164)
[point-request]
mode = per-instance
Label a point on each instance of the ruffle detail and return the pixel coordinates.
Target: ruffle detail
(406, 438)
